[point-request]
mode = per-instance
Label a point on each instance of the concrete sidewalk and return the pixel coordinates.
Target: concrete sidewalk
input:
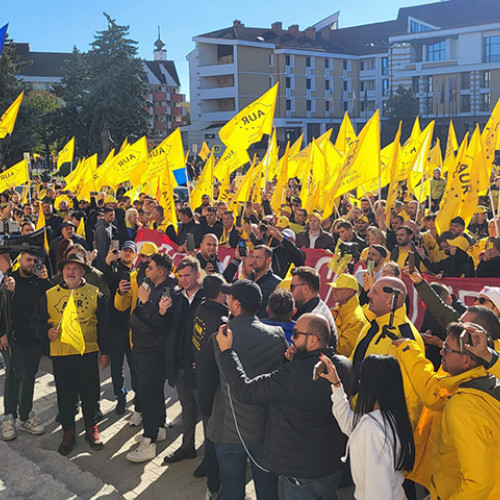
(96, 474)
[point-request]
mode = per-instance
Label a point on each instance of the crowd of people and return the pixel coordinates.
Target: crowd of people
(276, 376)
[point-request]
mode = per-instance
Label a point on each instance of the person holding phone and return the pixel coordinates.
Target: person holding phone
(380, 446)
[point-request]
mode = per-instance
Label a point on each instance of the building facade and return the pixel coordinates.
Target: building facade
(447, 52)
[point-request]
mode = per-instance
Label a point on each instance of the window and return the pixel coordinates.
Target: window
(225, 54)
(287, 60)
(327, 84)
(385, 65)
(486, 79)
(309, 105)
(344, 64)
(308, 62)
(367, 64)
(327, 63)
(485, 102)
(308, 83)
(491, 49)
(385, 108)
(345, 85)
(346, 106)
(428, 106)
(465, 103)
(385, 87)
(428, 87)
(270, 81)
(436, 51)
(288, 82)
(415, 84)
(367, 106)
(288, 105)
(271, 60)
(327, 106)
(416, 27)
(367, 85)
(465, 81)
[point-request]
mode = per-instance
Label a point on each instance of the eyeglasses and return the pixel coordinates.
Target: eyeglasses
(293, 287)
(483, 300)
(296, 333)
(446, 349)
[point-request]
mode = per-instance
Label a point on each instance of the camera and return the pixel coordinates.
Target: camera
(9, 227)
(38, 267)
(349, 248)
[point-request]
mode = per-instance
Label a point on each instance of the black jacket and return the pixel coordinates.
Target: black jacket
(26, 294)
(179, 345)
(148, 327)
(284, 254)
(267, 283)
(303, 438)
(489, 269)
(191, 227)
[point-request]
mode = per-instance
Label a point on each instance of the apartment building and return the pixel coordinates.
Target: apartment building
(448, 52)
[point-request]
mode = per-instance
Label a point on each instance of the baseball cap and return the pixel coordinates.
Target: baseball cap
(246, 291)
(458, 220)
(480, 209)
(289, 234)
(459, 242)
(492, 293)
(130, 244)
(316, 215)
(109, 199)
(345, 281)
(67, 223)
(363, 218)
(148, 248)
(282, 222)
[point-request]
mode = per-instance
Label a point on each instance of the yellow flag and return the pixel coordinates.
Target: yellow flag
(451, 147)
(411, 149)
(244, 189)
(80, 230)
(295, 147)
(166, 195)
(24, 194)
(279, 192)
(14, 176)
(125, 161)
(455, 187)
(316, 176)
(89, 178)
(40, 224)
(420, 163)
(360, 164)
(203, 184)
(346, 134)
(229, 162)
(124, 145)
(392, 167)
(102, 171)
(490, 135)
(204, 151)
(8, 119)
(170, 150)
(66, 154)
(251, 123)
(71, 331)
(270, 159)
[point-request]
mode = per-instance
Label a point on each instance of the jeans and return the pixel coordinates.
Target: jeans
(232, 460)
(20, 379)
(319, 488)
(121, 348)
(189, 405)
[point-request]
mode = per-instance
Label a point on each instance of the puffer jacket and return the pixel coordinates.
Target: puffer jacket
(303, 439)
(260, 348)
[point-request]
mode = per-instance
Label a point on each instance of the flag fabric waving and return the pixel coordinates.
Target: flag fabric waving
(14, 176)
(66, 154)
(3, 34)
(71, 331)
(8, 119)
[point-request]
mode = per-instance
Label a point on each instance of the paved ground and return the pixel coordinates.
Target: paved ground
(111, 475)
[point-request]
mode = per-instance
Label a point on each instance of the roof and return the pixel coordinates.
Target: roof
(452, 13)
(368, 38)
(44, 64)
(169, 66)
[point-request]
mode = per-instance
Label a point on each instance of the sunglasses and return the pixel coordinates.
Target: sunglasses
(483, 300)
(296, 333)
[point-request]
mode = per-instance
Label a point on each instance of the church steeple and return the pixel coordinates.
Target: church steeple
(160, 54)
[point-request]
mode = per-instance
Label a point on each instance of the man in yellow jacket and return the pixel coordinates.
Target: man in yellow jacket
(348, 314)
(375, 339)
(76, 373)
(456, 472)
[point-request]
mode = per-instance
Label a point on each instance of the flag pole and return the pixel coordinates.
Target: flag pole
(368, 198)
(493, 210)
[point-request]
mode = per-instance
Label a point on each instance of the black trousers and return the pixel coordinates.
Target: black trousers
(22, 368)
(150, 366)
(189, 404)
(76, 376)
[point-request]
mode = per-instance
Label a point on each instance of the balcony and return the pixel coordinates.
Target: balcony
(217, 116)
(178, 111)
(160, 125)
(177, 98)
(217, 69)
(159, 110)
(159, 96)
(218, 93)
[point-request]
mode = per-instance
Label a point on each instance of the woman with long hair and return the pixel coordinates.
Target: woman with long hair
(380, 445)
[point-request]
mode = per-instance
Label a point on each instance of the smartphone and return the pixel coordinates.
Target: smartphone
(115, 245)
(411, 262)
(165, 292)
(38, 267)
(145, 284)
(464, 339)
(242, 247)
(224, 328)
(190, 242)
(489, 245)
(318, 369)
(370, 266)
(125, 276)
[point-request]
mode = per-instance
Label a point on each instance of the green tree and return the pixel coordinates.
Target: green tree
(402, 106)
(116, 88)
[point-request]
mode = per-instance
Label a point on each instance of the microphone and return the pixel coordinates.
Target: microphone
(389, 289)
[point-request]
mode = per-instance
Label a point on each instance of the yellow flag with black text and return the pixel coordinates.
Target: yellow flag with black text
(14, 176)
(71, 331)
(66, 154)
(251, 123)
(204, 151)
(8, 119)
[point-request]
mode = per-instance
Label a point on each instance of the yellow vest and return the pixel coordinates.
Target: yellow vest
(86, 305)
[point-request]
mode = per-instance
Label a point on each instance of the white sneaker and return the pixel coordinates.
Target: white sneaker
(9, 431)
(162, 436)
(32, 425)
(168, 422)
(135, 419)
(144, 452)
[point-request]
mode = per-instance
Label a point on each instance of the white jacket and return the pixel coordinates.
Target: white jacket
(370, 450)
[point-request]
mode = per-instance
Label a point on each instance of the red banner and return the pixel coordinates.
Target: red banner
(463, 288)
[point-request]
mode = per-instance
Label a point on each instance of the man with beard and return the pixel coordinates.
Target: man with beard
(308, 462)
(264, 276)
(400, 253)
